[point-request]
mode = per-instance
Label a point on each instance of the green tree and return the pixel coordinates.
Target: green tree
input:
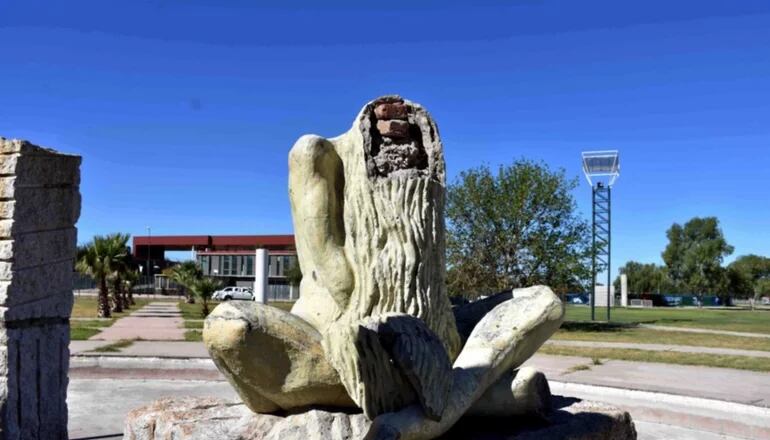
(752, 273)
(762, 288)
(644, 278)
(736, 283)
(99, 259)
(294, 274)
(185, 274)
(694, 255)
(514, 228)
(203, 288)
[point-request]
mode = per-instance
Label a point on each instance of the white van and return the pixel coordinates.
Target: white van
(233, 292)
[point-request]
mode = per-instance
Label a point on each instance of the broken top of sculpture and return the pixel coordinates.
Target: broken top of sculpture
(373, 327)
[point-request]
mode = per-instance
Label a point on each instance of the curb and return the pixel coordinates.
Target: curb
(696, 413)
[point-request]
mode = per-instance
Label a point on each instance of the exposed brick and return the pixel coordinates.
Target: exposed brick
(391, 110)
(393, 128)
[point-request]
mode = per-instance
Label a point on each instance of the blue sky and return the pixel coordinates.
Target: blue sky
(184, 111)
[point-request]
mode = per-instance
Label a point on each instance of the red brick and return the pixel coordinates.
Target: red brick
(393, 128)
(391, 110)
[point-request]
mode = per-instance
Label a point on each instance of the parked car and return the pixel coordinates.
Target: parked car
(577, 298)
(233, 292)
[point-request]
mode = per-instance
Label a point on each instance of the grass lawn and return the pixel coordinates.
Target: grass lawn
(193, 324)
(757, 321)
(193, 321)
(81, 330)
(114, 347)
(86, 307)
(193, 336)
(666, 357)
(647, 336)
(193, 311)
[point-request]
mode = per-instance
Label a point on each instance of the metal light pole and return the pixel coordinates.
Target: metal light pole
(601, 169)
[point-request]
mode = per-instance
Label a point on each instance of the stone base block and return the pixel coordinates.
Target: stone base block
(210, 418)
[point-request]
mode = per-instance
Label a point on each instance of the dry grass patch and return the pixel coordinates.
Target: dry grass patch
(647, 336)
(664, 357)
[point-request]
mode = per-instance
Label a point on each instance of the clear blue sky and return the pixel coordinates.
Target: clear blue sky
(184, 111)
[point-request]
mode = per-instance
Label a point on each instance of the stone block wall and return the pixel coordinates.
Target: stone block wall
(39, 206)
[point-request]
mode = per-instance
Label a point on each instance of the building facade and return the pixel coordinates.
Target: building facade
(230, 258)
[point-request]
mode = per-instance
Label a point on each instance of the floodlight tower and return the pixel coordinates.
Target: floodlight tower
(601, 169)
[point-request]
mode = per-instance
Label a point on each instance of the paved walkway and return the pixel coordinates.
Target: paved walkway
(144, 349)
(666, 401)
(738, 386)
(87, 397)
(157, 321)
(704, 330)
(661, 347)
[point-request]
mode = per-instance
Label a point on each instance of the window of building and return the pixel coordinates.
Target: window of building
(249, 265)
(203, 263)
(226, 265)
(241, 265)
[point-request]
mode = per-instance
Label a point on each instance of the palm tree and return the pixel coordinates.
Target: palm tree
(127, 270)
(99, 259)
(130, 278)
(119, 247)
(185, 274)
(203, 288)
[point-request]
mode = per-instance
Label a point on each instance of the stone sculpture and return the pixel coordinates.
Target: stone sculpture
(373, 327)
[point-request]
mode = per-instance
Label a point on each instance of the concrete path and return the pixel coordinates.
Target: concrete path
(657, 416)
(675, 402)
(704, 330)
(687, 413)
(738, 386)
(97, 407)
(144, 349)
(157, 321)
(661, 347)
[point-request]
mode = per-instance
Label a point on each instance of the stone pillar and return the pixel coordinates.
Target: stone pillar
(262, 266)
(601, 295)
(623, 290)
(39, 206)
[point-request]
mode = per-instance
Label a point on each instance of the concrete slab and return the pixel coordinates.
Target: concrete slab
(124, 362)
(153, 322)
(658, 431)
(158, 349)
(112, 399)
(725, 418)
(740, 386)
(98, 407)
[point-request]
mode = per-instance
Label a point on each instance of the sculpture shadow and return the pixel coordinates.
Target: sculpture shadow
(559, 424)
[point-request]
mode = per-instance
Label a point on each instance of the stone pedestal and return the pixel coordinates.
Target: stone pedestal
(209, 418)
(39, 205)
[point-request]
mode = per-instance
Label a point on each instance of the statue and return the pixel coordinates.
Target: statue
(373, 328)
